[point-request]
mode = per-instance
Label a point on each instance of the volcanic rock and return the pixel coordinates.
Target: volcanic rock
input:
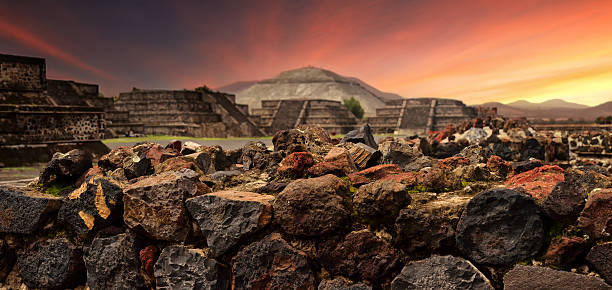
(364, 156)
(295, 164)
(189, 147)
(596, 217)
(522, 166)
(51, 264)
(381, 198)
(400, 153)
(24, 212)
(420, 232)
(66, 166)
(97, 203)
(445, 150)
(313, 139)
(136, 166)
(225, 217)
(565, 250)
(342, 284)
(532, 277)
(181, 268)
(440, 272)
(158, 154)
(360, 254)
(254, 156)
(201, 159)
(475, 153)
(361, 135)
(115, 158)
(373, 173)
(7, 260)
(498, 166)
(532, 149)
(538, 182)
(113, 261)
(147, 257)
(600, 256)
(500, 227)
(176, 164)
(271, 264)
(154, 205)
(312, 207)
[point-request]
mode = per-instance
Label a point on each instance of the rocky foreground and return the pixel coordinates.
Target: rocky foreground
(489, 211)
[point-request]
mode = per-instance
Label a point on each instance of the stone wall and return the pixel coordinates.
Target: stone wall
(19, 73)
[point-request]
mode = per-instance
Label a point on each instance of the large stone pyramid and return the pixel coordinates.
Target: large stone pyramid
(313, 83)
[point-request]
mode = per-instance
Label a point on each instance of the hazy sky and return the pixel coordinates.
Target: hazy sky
(476, 51)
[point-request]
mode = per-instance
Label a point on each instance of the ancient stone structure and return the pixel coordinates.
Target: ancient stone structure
(419, 116)
(275, 115)
(43, 116)
(183, 113)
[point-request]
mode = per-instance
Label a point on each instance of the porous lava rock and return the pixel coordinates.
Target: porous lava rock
(532, 277)
(338, 161)
(112, 262)
(225, 217)
(200, 159)
(381, 198)
(522, 166)
(498, 166)
(312, 207)
(7, 260)
(154, 206)
(254, 156)
(96, 204)
(445, 150)
(51, 264)
(147, 257)
(538, 182)
(176, 164)
(114, 159)
(136, 165)
(600, 256)
(500, 227)
(361, 135)
(158, 154)
(295, 164)
(565, 250)
(342, 284)
(271, 264)
(596, 217)
(373, 173)
(359, 255)
(23, 212)
(476, 154)
(179, 267)
(440, 272)
(398, 152)
(308, 138)
(66, 167)
(420, 233)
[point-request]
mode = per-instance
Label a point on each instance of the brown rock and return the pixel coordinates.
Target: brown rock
(531, 277)
(498, 166)
(295, 164)
(407, 178)
(177, 163)
(600, 256)
(158, 154)
(364, 156)
(421, 233)
(565, 250)
(115, 158)
(596, 218)
(380, 199)
(373, 173)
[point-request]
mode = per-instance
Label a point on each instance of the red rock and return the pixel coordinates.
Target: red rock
(438, 180)
(374, 173)
(565, 250)
(175, 144)
(337, 168)
(538, 182)
(596, 217)
(407, 178)
(497, 165)
(91, 172)
(158, 154)
(452, 162)
(175, 164)
(295, 164)
(148, 256)
(115, 158)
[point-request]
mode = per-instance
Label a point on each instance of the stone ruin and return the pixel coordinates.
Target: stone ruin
(180, 113)
(310, 213)
(283, 114)
(39, 116)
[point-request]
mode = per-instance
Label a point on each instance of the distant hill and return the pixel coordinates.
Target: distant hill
(309, 83)
(551, 109)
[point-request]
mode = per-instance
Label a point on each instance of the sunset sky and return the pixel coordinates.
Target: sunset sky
(475, 51)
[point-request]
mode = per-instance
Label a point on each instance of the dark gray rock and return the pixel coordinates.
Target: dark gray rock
(445, 150)
(224, 175)
(271, 264)
(96, 204)
(522, 166)
(500, 227)
(7, 260)
(361, 135)
(542, 278)
(600, 256)
(254, 156)
(225, 217)
(398, 152)
(51, 264)
(381, 199)
(66, 166)
(440, 272)
(342, 284)
(136, 165)
(181, 268)
(201, 159)
(365, 156)
(112, 263)
(24, 212)
(532, 149)
(420, 233)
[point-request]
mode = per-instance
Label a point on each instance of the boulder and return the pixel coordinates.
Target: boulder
(373, 173)
(295, 164)
(342, 284)
(222, 176)
(364, 156)
(445, 150)
(410, 179)
(114, 159)
(475, 153)
(313, 139)
(600, 256)
(338, 161)
(312, 207)
(218, 158)
(175, 144)
(538, 182)
(179, 267)
(359, 255)
(113, 261)
(532, 277)
(176, 164)
(438, 180)
(158, 154)
(96, 170)
(532, 149)
(52, 264)
(398, 152)
(200, 159)
(271, 264)
(596, 217)
(226, 217)
(380, 199)
(24, 212)
(500, 227)
(189, 147)
(254, 156)
(565, 250)
(66, 167)
(440, 272)
(136, 165)
(362, 135)
(96, 204)
(154, 206)
(419, 232)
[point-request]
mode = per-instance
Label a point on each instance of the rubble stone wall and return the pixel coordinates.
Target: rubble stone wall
(22, 73)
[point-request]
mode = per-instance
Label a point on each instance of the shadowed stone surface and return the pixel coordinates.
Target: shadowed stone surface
(440, 272)
(364, 156)
(342, 284)
(380, 199)
(112, 263)
(7, 259)
(564, 250)
(420, 233)
(400, 153)
(67, 166)
(51, 264)
(225, 217)
(596, 218)
(154, 205)
(312, 207)
(24, 212)
(541, 278)
(361, 135)
(373, 173)
(97, 203)
(500, 227)
(600, 256)
(271, 264)
(181, 268)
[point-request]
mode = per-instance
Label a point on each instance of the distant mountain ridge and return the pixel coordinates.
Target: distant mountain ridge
(550, 104)
(551, 109)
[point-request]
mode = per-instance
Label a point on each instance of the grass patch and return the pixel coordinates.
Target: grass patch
(166, 137)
